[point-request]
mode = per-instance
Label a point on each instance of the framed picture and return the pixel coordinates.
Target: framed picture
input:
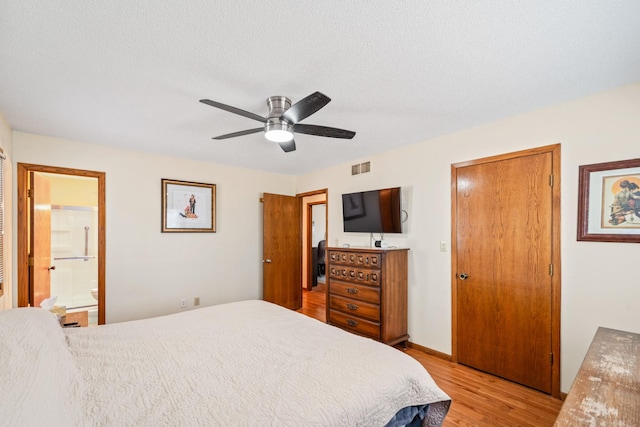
(609, 202)
(188, 207)
(353, 206)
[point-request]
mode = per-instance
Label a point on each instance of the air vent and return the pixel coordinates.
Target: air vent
(361, 168)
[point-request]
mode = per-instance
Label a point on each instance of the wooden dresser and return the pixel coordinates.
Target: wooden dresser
(606, 391)
(367, 292)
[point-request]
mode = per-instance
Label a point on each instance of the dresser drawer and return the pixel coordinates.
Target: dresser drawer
(367, 292)
(355, 307)
(355, 291)
(357, 259)
(358, 275)
(355, 324)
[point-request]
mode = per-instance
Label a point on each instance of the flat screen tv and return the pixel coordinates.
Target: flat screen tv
(375, 211)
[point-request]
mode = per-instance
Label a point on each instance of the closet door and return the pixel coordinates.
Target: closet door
(504, 256)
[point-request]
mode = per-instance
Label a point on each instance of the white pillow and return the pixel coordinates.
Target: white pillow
(38, 375)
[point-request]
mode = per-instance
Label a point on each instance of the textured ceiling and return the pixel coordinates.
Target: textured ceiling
(130, 73)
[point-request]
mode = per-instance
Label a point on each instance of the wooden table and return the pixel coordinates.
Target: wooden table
(606, 391)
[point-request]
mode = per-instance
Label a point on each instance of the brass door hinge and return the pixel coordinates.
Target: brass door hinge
(550, 269)
(550, 180)
(30, 261)
(29, 192)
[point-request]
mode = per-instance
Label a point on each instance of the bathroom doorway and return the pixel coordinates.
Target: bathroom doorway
(61, 240)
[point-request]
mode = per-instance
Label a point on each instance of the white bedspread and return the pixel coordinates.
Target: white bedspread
(38, 376)
(247, 363)
(250, 363)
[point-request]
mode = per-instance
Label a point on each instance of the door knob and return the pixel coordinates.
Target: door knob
(463, 276)
(268, 260)
(53, 267)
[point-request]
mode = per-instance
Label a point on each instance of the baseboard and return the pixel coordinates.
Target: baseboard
(429, 351)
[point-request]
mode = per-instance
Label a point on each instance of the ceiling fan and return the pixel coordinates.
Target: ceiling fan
(283, 120)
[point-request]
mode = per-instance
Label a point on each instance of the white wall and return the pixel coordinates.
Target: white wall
(596, 289)
(148, 272)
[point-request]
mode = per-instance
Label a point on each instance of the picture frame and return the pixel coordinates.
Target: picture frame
(609, 202)
(353, 206)
(188, 207)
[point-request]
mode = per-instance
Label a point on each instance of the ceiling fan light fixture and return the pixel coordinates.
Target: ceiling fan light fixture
(284, 119)
(278, 132)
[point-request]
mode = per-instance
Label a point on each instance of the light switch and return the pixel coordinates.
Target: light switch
(443, 246)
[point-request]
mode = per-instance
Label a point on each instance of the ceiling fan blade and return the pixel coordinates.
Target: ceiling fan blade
(324, 131)
(288, 145)
(234, 110)
(305, 107)
(240, 133)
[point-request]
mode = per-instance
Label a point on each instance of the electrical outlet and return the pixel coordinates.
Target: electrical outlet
(196, 301)
(183, 303)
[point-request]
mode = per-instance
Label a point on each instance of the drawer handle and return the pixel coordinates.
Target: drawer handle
(352, 306)
(352, 291)
(352, 322)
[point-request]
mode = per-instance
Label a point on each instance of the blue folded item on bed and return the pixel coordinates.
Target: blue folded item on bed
(414, 416)
(409, 416)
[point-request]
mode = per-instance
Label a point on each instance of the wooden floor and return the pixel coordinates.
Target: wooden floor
(314, 302)
(478, 399)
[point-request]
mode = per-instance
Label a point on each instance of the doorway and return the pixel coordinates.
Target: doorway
(318, 218)
(506, 266)
(61, 240)
(314, 237)
(314, 242)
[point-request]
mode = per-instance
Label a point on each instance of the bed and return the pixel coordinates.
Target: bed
(249, 363)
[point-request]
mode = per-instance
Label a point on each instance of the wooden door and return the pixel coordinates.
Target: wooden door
(40, 240)
(504, 241)
(282, 251)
